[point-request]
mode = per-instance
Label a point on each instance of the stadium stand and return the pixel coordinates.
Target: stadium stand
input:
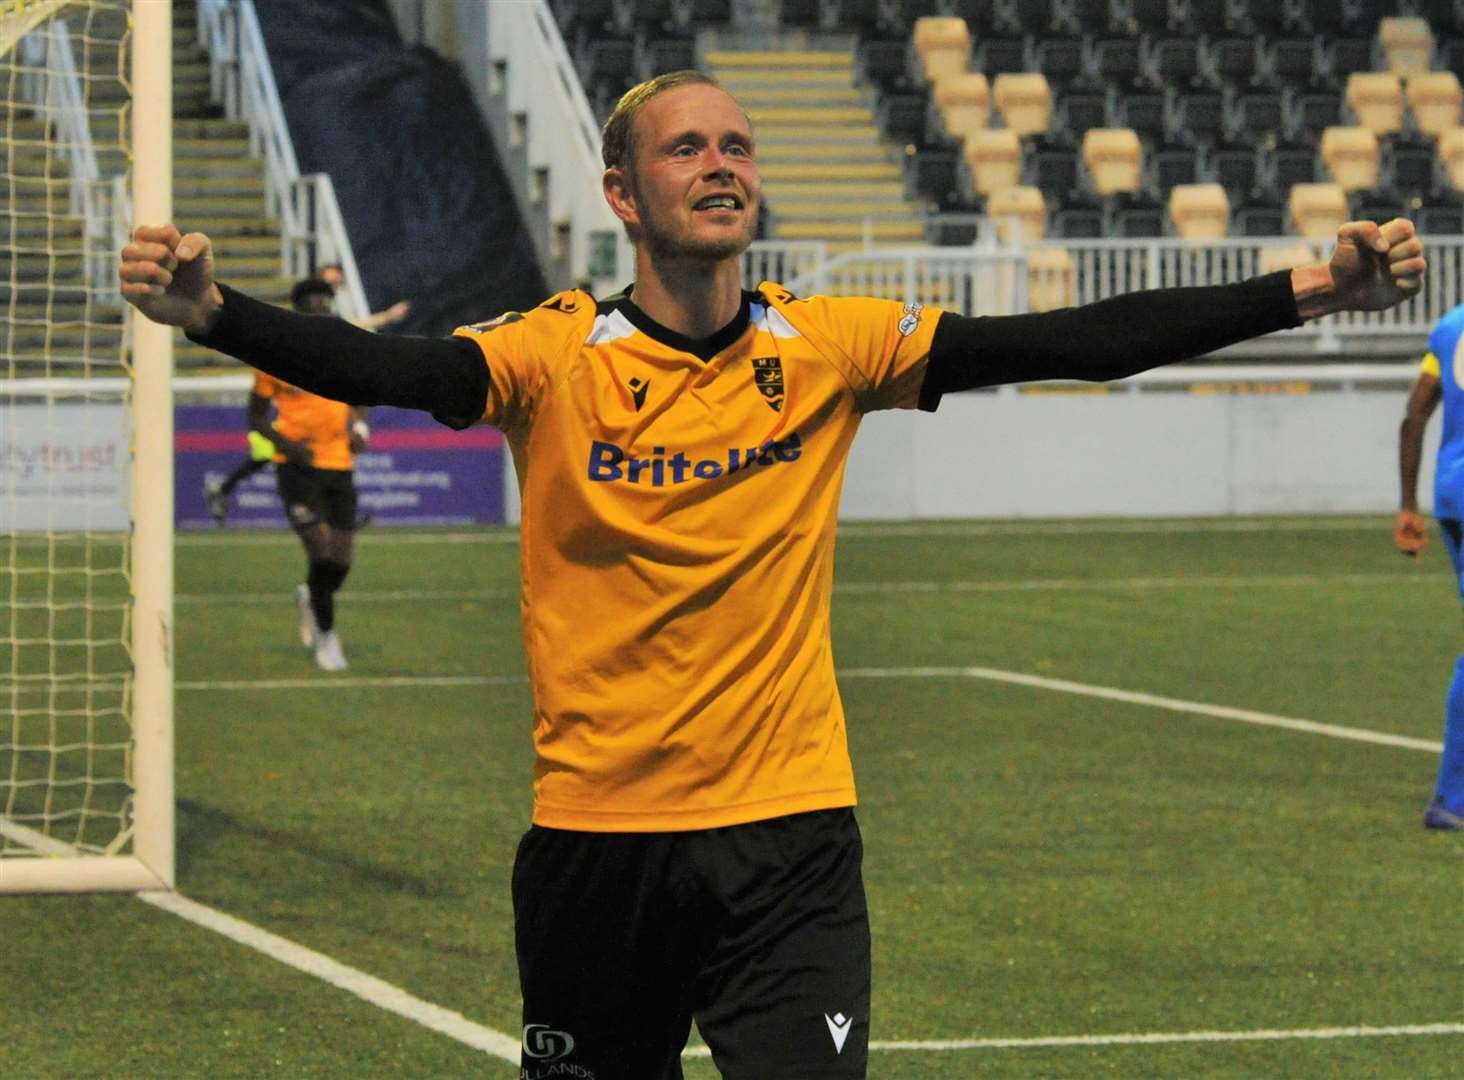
(963, 104)
(993, 159)
(1199, 211)
(1123, 117)
(1351, 157)
(1024, 101)
(1317, 210)
(1376, 98)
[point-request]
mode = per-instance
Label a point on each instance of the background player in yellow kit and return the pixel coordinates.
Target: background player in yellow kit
(680, 451)
(315, 439)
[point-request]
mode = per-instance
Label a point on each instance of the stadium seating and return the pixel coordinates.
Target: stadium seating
(1376, 99)
(1317, 210)
(943, 45)
(1407, 44)
(1451, 155)
(1114, 159)
(993, 159)
(1126, 117)
(1024, 101)
(1199, 211)
(1351, 157)
(963, 103)
(1049, 278)
(1434, 100)
(1018, 212)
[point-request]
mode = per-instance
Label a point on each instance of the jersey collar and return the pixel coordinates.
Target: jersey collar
(702, 348)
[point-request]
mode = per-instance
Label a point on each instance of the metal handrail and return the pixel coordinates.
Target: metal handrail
(56, 92)
(989, 278)
(312, 229)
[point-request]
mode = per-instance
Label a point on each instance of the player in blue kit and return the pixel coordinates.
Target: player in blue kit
(1439, 379)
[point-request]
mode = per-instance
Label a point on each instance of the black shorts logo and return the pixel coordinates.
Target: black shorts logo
(767, 375)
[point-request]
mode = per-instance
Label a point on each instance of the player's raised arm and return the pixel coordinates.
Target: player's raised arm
(168, 276)
(1373, 267)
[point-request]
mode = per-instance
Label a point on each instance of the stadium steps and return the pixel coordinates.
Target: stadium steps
(826, 174)
(57, 324)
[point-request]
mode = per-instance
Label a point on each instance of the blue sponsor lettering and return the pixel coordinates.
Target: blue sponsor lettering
(608, 462)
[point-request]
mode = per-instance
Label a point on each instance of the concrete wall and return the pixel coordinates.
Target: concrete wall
(1155, 452)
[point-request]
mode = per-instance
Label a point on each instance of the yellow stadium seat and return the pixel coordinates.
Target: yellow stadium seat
(994, 159)
(1435, 99)
(1199, 211)
(1286, 257)
(1407, 44)
(1351, 157)
(1049, 278)
(1114, 159)
(964, 103)
(943, 44)
(1019, 214)
(1451, 154)
(1376, 99)
(1317, 210)
(1024, 100)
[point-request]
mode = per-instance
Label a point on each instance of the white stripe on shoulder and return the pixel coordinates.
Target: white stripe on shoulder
(609, 328)
(772, 320)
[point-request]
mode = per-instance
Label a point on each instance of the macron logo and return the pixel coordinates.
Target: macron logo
(839, 1025)
(609, 462)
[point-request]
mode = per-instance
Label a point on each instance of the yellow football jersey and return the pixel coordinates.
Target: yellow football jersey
(677, 531)
(318, 422)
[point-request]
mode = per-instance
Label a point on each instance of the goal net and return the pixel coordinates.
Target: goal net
(85, 452)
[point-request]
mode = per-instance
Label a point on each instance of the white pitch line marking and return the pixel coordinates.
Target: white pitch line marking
(861, 530)
(876, 587)
(1245, 716)
(366, 987)
(351, 682)
(1142, 1038)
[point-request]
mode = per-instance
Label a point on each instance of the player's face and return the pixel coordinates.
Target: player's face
(694, 180)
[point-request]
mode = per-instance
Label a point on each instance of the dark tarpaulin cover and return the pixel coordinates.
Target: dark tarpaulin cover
(430, 213)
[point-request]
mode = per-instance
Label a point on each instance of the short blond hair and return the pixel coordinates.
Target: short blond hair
(617, 137)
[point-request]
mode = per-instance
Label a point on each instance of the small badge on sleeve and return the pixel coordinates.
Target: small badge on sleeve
(911, 319)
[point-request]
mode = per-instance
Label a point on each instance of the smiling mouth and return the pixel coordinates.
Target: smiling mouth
(718, 202)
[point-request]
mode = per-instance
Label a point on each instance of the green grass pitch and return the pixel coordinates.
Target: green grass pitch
(1039, 863)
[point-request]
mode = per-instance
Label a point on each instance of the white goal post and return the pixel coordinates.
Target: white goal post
(86, 416)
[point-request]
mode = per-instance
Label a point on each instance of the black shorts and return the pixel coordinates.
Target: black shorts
(759, 932)
(314, 495)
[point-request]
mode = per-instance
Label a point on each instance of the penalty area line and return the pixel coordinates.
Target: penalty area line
(368, 988)
(1108, 693)
(1146, 1038)
(1151, 1038)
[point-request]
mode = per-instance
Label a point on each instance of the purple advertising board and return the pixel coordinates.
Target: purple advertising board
(414, 472)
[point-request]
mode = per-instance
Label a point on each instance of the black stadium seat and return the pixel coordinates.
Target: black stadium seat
(901, 118)
(1235, 168)
(1173, 62)
(992, 56)
(1174, 164)
(1075, 113)
(930, 174)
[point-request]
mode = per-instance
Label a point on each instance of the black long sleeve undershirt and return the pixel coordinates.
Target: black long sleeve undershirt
(448, 378)
(1109, 339)
(443, 376)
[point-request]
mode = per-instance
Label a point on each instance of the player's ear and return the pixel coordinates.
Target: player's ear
(620, 194)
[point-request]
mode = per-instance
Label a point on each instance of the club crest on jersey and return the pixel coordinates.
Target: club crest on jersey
(493, 324)
(911, 319)
(767, 375)
(563, 302)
